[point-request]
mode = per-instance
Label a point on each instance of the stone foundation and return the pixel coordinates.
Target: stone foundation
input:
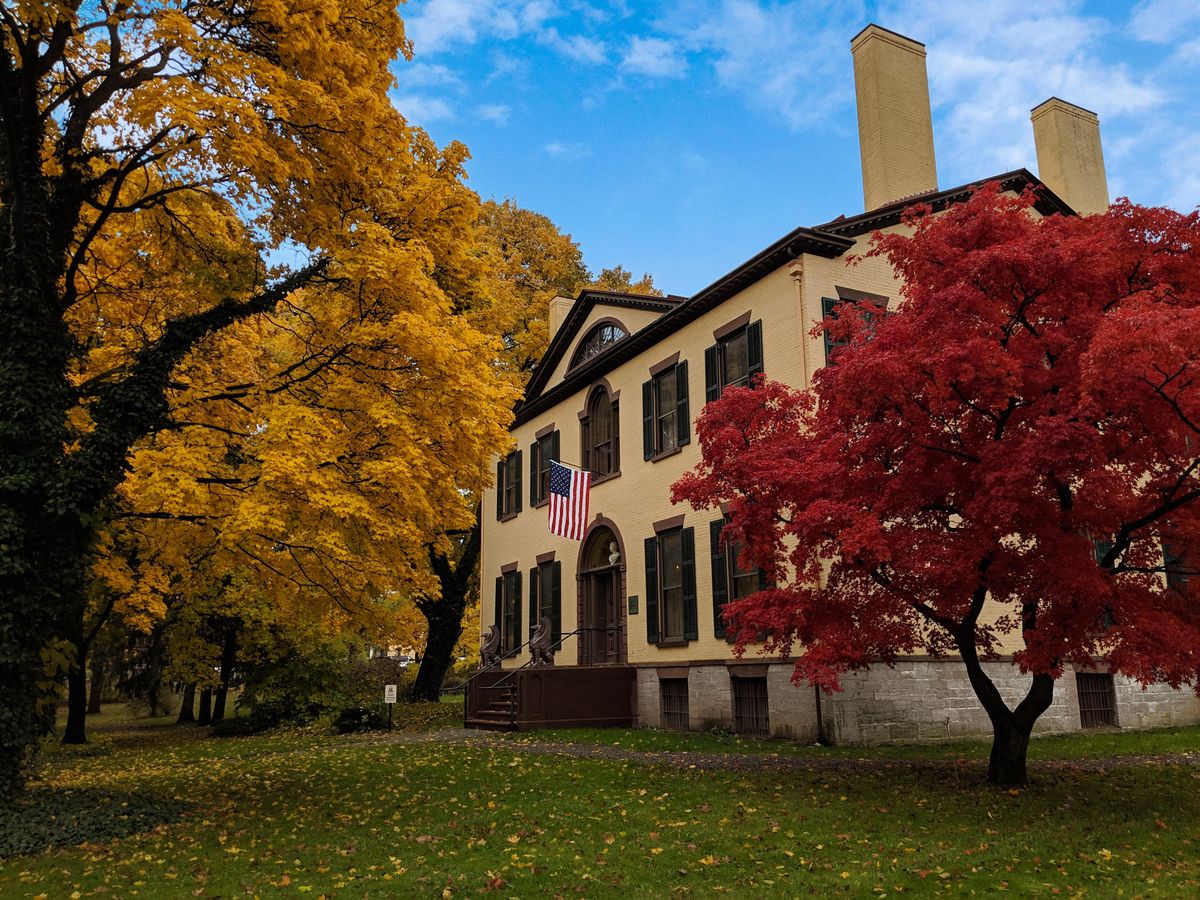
(916, 700)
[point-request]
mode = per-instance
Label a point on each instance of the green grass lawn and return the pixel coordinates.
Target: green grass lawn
(307, 812)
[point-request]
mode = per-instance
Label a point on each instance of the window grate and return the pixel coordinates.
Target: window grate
(674, 697)
(1097, 699)
(750, 707)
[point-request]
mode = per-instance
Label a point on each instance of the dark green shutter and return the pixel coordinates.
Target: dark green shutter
(533, 600)
(688, 557)
(648, 419)
(754, 349)
(500, 608)
(517, 604)
(827, 312)
(712, 383)
(764, 581)
(683, 418)
(534, 455)
(554, 451)
(500, 489)
(616, 437)
(585, 441)
(1173, 564)
(720, 577)
(652, 590)
(556, 603)
(518, 490)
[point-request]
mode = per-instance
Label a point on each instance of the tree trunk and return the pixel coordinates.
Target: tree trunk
(1007, 762)
(187, 712)
(205, 716)
(1010, 728)
(153, 673)
(228, 657)
(96, 694)
(445, 628)
(445, 614)
(77, 702)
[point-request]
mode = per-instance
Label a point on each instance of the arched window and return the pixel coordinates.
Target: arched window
(601, 438)
(596, 341)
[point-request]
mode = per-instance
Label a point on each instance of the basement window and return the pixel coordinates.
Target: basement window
(750, 707)
(1097, 700)
(673, 694)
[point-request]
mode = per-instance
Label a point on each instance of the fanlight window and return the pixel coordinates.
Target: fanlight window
(597, 341)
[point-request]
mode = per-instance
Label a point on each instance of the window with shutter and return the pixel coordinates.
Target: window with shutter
(542, 452)
(666, 417)
(873, 307)
(509, 587)
(508, 485)
(673, 588)
(1176, 566)
(545, 599)
(600, 435)
(733, 361)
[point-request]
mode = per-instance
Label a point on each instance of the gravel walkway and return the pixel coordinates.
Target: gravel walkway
(761, 762)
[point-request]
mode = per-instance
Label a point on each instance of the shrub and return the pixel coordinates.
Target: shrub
(318, 682)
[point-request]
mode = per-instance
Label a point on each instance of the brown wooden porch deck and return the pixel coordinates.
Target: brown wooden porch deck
(552, 697)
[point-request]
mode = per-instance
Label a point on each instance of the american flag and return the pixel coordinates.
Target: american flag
(568, 501)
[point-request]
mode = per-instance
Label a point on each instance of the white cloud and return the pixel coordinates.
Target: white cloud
(790, 61)
(423, 74)
(653, 57)
(439, 25)
(1164, 21)
(564, 150)
(990, 63)
(575, 46)
(496, 113)
(419, 110)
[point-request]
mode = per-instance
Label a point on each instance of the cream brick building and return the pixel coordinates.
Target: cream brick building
(641, 638)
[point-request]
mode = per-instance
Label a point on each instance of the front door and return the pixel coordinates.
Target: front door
(601, 600)
(602, 609)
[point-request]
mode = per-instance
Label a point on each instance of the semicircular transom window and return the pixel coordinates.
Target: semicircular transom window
(597, 341)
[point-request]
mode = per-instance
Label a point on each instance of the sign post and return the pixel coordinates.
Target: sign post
(389, 697)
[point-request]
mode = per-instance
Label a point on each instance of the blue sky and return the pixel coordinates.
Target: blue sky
(680, 138)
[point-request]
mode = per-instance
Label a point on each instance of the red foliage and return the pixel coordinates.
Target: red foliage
(1038, 388)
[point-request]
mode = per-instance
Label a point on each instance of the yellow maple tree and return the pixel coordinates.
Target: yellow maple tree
(239, 277)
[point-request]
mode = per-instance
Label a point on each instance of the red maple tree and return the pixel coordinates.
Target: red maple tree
(995, 467)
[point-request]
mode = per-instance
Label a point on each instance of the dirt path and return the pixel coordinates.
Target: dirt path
(761, 762)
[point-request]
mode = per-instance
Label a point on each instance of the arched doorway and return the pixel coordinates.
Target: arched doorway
(602, 598)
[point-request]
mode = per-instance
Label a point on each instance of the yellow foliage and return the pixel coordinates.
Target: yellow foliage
(318, 447)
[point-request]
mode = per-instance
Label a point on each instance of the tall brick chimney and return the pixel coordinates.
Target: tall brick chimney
(1070, 160)
(560, 308)
(895, 125)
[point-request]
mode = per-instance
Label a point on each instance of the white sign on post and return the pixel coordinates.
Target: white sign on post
(389, 693)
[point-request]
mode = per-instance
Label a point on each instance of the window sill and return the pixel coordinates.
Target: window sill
(672, 642)
(539, 504)
(656, 457)
(507, 516)
(600, 479)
